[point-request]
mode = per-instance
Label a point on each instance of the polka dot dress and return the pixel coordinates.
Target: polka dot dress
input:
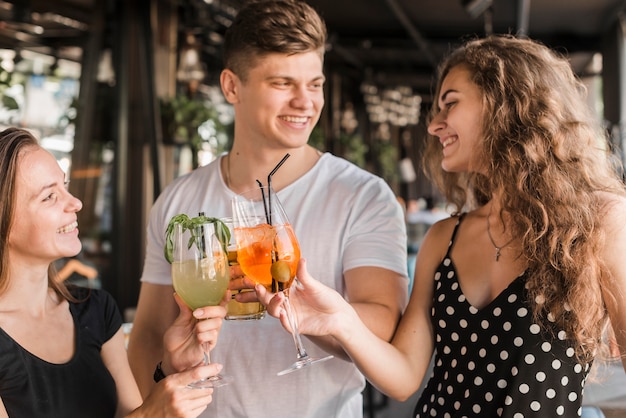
(494, 361)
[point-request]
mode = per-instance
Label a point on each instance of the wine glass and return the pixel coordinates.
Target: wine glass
(200, 275)
(268, 253)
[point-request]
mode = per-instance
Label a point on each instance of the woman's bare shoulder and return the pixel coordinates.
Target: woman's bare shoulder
(438, 236)
(445, 225)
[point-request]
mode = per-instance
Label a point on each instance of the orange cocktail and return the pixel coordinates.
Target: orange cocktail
(261, 246)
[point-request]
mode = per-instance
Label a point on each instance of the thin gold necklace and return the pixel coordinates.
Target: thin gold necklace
(228, 170)
(498, 248)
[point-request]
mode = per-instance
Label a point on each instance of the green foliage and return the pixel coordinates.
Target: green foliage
(221, 231)
(355, 148)
(70, 116)
(6, 81)
(182, 116)
(9, 102)
(381, 158)
(317, 138)
(387, 158)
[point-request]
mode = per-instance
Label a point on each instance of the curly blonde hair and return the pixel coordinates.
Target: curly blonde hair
(549, 157)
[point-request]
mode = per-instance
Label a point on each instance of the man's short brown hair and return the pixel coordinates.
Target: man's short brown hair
(272, 26)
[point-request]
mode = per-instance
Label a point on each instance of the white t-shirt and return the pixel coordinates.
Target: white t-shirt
(344, 217)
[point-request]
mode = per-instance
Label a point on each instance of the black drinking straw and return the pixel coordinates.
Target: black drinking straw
(268, 204)
(267, 215)
(269, 183)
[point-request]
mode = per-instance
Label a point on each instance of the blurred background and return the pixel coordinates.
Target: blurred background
(125, 94)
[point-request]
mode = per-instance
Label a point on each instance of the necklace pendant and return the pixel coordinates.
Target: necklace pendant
(498, 249)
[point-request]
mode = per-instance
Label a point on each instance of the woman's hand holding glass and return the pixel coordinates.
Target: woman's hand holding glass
(166, 399)
(320, 310)
(184, 340)
(184, 349)
(200, 274)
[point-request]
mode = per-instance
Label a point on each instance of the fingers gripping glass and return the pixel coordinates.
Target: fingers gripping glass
(200, 276)
(235, 310)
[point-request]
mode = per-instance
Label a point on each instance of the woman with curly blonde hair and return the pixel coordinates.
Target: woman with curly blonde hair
(546, 160)
(513, 293)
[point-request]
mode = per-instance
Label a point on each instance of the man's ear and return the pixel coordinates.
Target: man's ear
(229, 83)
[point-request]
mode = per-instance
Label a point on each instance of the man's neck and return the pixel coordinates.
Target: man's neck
(242, 169)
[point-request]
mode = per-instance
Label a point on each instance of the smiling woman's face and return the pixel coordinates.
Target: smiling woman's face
(44, 227)
(458, 122)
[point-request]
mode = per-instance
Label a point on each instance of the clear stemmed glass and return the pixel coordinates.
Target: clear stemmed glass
(200, 275)
(268, 253)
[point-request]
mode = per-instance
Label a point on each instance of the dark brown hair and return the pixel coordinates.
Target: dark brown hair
(274, 26)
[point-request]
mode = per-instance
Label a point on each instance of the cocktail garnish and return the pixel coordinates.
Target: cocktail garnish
(221, 231)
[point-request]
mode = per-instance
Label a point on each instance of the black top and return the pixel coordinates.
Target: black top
(83, 387)
(495, 361)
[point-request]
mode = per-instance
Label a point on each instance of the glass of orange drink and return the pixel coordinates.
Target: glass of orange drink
(268, 253)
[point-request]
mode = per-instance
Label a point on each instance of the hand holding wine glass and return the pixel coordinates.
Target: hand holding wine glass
(321, 310)
(268, 252)
(200, 273)
(183, 342)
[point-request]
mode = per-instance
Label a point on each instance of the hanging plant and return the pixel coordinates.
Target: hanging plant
(8, 101)
(181, 117)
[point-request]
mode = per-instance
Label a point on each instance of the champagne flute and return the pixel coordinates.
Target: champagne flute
(268, 253)
(200, 276)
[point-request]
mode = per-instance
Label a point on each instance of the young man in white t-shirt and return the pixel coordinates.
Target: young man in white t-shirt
(348, 223)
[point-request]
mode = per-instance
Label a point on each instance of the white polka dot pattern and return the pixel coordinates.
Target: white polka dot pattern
(494, 361)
